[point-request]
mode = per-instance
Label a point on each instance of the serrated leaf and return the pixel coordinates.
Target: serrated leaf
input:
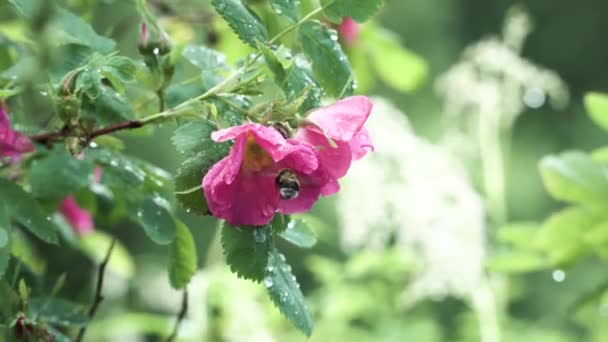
(157, 221)
(359, 10)
(96, 244)
(273, 64)
(329, 63)
(5, 239)
(205, 58)
(182, 257)
(246, 250)
(242, 20)
(58, 311)
(68, 28)
(300, 83)
(108, 107)
(26, 8)
(299, 233)
(190, 177)
(397, 66)
(69, 174)
(290, 9)
(195, 137)
(25, 210)
(285, 292)
(596, 105)
(574, 177)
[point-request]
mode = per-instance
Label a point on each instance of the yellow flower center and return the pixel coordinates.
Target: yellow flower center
(255, 159)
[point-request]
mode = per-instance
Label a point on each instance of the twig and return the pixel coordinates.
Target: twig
(98, 296)
(50, 137)
(180, 317)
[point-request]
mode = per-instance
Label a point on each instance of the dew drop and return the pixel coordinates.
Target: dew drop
(156, 51)
(268, 282)
(558, 275)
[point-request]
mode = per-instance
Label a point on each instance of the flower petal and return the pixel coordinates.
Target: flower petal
(361, 144)
(12, 143)
(335, 160)
(80, 219)
(343, 119)
(250, 199)
(310, 190)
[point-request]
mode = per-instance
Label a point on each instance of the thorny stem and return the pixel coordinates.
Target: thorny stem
(98, 296)
(180, 316)
(50, 137)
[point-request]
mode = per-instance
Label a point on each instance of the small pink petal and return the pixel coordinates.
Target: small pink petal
(97, 174)
(80, 219)
(12, 143)
(343, 119)
(361, 144)
(349, 30)
(335, 160)
(250, 199)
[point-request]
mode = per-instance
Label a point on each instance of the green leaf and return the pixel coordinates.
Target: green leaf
(58, 311)
(246, 250)
(5, 239)
(158, 223)
(519, 262)
(188, 184)
(299, 233)
(273, 64)
(290, 9)
(359, 10)
(329, 63)
(68, 28)
(108, 107)
(182, 257)
(574, 177)
(205, 59)
(518, 234)
(69, 174)
(195, 137)
(26, 8)
(25, 210)
(118, 70)
(395, 65)
(285, 292)
(597, 107)
(562, 235)
(242, 20)
(96, 244)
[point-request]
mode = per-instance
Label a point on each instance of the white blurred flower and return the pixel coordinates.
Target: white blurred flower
(417, 193)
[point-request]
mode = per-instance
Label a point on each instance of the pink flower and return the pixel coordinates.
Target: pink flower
(12, 143)
(338, 137)
(80, 219)
(349, 30)
(263, 173)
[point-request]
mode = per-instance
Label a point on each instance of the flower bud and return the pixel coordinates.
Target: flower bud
(349, 30)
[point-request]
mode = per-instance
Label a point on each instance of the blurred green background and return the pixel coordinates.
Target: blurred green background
(356, 295)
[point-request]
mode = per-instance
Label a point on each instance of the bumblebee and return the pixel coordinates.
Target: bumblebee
(288, 184)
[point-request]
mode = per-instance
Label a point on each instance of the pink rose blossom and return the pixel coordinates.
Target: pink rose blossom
(338, 137)
(349, 30)
(80, 219)
(12, 143)
(243, 188)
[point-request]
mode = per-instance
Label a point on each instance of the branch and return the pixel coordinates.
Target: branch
(98, 296)
(180, 317)
(50, 137)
